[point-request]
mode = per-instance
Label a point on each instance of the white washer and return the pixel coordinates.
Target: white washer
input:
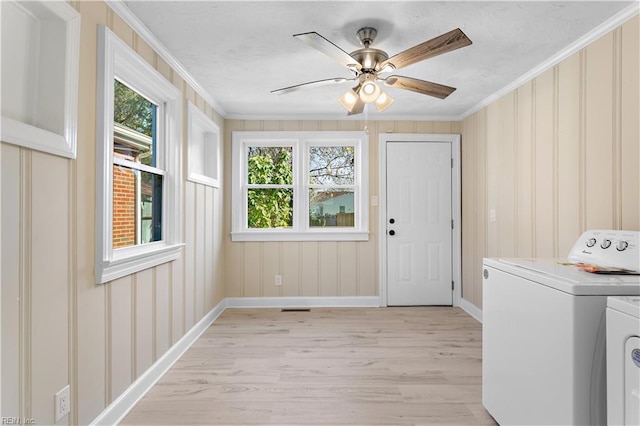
(623, 361)
(544, 337)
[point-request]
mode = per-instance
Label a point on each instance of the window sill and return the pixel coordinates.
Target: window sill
(143, 259)
(283, 235)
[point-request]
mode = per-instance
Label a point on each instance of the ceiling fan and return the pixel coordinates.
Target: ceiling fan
(367, 63)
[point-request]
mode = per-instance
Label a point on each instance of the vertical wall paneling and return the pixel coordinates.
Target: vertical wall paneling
(468, 146)
(629, 128)
(543, 172)
(190, 258)
(347, 278)
(524, 165)
(177, 300)
(12, 280)
(599, 133)
(199, 252)
(481, 200)
(328, 268)
(309, 270)
(290, 259)
(270, 265)
(143, 320)
(120, 335)
(161, 310)
(576, 156)
(568, 118)
(252, 274)
(506, 190)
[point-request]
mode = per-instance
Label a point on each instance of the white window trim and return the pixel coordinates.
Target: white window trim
(299, 140)
(116, 59)
(30, 136)
(202, 128)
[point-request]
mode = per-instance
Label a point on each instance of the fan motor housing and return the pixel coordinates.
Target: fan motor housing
(369, 58)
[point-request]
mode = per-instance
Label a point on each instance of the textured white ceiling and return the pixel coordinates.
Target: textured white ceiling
(239, 51)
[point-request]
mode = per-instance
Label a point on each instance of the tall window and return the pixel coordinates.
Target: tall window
(139, 163)
(300, 186)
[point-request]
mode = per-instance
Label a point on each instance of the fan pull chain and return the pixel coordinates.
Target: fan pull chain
(366, 118)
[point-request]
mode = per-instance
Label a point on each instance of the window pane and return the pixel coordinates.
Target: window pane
(270, 165)
(331, 165)
(331, 207)
(270, 208)
(131, 225)
(134, 119)
(150, 208)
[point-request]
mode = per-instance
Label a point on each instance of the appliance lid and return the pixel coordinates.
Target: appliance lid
(561, 274)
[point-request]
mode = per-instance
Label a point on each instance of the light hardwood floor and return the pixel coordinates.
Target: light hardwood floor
(360, 366)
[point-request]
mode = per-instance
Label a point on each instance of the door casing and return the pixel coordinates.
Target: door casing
(456, 213)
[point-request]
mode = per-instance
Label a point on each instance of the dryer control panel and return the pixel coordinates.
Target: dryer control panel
(611, 249)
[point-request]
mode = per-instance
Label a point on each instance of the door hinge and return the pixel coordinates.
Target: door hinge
(452, 163)
(451, 223)
(452, 285)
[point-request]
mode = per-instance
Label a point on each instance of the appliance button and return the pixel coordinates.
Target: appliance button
(591, 242)
(605, 244)
(622, 245)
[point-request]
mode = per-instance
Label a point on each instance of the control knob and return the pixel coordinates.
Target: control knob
(622, 245)
(591, 242)
(606, 244)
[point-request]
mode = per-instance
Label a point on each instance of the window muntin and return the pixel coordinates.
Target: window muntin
(319, 194)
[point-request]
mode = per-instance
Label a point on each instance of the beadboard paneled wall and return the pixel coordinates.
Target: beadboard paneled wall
(557, 156)
(311, 268)
(59, 327)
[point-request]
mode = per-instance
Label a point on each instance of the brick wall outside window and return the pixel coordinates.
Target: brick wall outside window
(124, 207)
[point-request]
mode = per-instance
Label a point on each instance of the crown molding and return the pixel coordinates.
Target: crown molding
(608, 25)
(342, 117)
(132, 20)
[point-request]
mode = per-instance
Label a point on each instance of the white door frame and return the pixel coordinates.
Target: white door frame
(456, 214)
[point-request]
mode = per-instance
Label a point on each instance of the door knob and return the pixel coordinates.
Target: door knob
(392, 232)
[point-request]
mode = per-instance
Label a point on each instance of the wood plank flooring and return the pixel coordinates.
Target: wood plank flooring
(329, 366)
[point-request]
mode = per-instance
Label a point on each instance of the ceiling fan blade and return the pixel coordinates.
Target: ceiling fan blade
(444, 43)
(327, 47)
(419, 86)
(311, 84)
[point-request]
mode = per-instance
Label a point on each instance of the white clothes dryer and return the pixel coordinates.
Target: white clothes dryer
(543, 331)
(623, 361)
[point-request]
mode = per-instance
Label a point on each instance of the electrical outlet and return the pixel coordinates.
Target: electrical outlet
(63, 402)
(278, 280)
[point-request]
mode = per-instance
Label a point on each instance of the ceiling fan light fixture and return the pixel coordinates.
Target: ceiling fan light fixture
(383, 102)
(348, 99)
(369, 91)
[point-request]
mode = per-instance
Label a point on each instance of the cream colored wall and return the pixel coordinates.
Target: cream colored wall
(555, 157)
(311, 268)
(66, 329)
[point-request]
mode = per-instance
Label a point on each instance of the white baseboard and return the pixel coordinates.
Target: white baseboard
(303, 302)
(119, 408)
(471, 309)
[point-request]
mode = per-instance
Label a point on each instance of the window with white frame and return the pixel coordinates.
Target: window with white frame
(300, 186)
(138, 163)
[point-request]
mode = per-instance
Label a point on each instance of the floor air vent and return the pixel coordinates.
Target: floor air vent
(295, 310)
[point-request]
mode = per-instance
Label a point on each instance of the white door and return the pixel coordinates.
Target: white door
(419, 222)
